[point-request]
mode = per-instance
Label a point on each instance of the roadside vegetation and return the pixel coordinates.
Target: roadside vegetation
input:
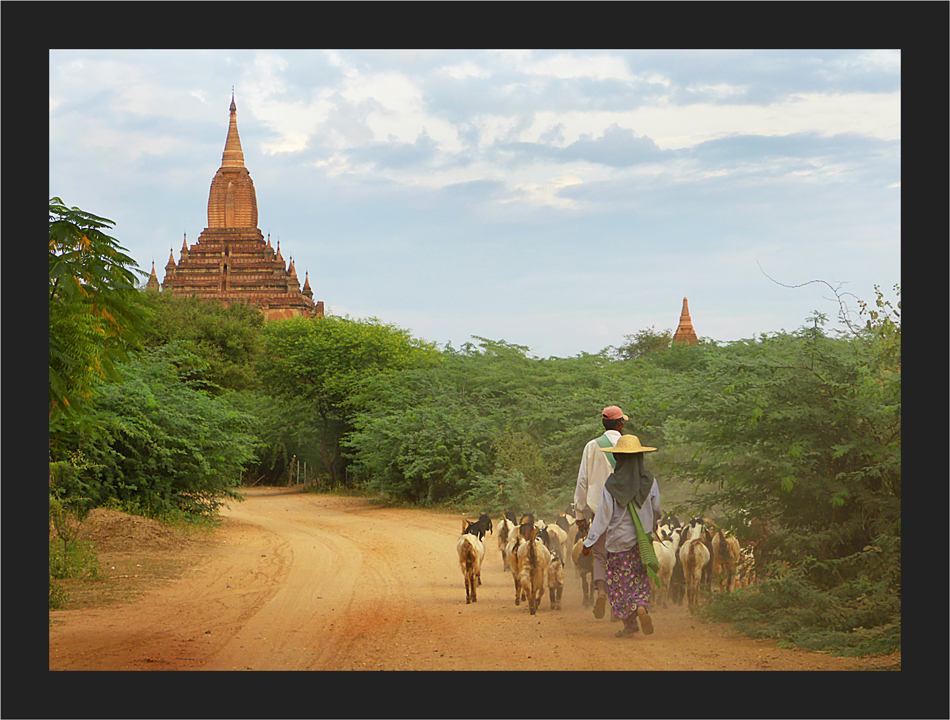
(165, 406)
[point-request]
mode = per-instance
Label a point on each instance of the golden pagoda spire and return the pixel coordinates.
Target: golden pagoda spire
(232, 202)
(171, 260)
(233, 153)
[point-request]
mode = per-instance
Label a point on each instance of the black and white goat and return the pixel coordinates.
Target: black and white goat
(665, 546)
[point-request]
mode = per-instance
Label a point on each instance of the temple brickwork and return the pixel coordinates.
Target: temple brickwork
(231, 261)
(684, 331)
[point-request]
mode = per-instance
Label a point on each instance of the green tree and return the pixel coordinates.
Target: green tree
(801, 432)
(324, 361)
(228, 339)
(645, 342)
(489, 422)
(160, 444)
(95, 313)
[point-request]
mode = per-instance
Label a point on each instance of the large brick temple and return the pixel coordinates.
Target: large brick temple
(231, 261)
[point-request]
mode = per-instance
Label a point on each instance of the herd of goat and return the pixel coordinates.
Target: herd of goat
(691, 555)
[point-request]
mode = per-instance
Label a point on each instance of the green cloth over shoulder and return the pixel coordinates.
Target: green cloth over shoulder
(604, 442)
(647, 553)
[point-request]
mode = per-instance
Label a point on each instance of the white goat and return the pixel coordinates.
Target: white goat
(665, 548)
(506, 531)
(694, 555)
(514, 564)
(569, 525)
(471, 551)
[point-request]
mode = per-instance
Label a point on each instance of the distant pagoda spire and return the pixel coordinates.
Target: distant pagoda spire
(684, 332)
(152, 283)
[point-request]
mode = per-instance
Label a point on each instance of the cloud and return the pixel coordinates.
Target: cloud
(617, 147)
(396, 155)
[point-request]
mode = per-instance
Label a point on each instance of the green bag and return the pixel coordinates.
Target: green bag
(604, 442)
(647, 553)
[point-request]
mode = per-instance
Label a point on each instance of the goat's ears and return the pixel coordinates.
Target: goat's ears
(464, 525)
(534, 533)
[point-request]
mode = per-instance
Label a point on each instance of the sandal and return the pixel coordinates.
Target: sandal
(600, 606)
(626, 632)
(643, 615)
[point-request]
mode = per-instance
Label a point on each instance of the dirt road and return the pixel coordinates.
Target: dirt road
(297, 581)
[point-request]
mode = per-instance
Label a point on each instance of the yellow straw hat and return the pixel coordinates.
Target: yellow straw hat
(628, 444)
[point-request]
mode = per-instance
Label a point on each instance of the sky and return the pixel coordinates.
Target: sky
(561, 200)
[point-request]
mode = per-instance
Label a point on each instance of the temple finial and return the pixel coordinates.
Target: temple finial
(684, 331)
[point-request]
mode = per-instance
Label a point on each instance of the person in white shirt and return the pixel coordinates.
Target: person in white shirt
(593, 473)
(628, 584)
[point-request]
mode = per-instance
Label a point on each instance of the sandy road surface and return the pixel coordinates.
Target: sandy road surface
(296, 581)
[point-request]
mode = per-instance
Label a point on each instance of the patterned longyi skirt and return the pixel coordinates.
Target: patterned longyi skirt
(628, 585)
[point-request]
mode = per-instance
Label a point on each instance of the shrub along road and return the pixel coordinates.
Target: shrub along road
(298, 581)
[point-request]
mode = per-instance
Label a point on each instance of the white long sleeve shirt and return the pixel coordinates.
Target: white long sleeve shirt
(593, 473)
(615, 520)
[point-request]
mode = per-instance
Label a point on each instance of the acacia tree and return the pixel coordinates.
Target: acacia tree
(95, 313)
(644, 342)
(323, 361)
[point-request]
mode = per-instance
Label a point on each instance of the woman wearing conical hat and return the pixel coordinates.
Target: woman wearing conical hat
(631, 488)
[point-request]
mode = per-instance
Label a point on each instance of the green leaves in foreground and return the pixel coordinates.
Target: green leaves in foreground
(95, 313)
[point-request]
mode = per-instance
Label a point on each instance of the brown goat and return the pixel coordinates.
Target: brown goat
(471, 551)
(725, 559)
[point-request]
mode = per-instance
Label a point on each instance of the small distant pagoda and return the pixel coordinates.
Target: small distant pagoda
(684, 331)
(231, 262)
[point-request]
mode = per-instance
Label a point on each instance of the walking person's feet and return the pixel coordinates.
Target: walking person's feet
(600, 603)
(645, 620)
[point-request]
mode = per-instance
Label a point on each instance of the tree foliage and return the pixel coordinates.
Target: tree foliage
(95, 313)
(323, 361)
(227, 339)
(797, 438)
(162, 444)
(644, 342)
(489, 411)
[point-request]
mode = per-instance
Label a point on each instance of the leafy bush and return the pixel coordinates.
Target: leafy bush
(162, 443)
